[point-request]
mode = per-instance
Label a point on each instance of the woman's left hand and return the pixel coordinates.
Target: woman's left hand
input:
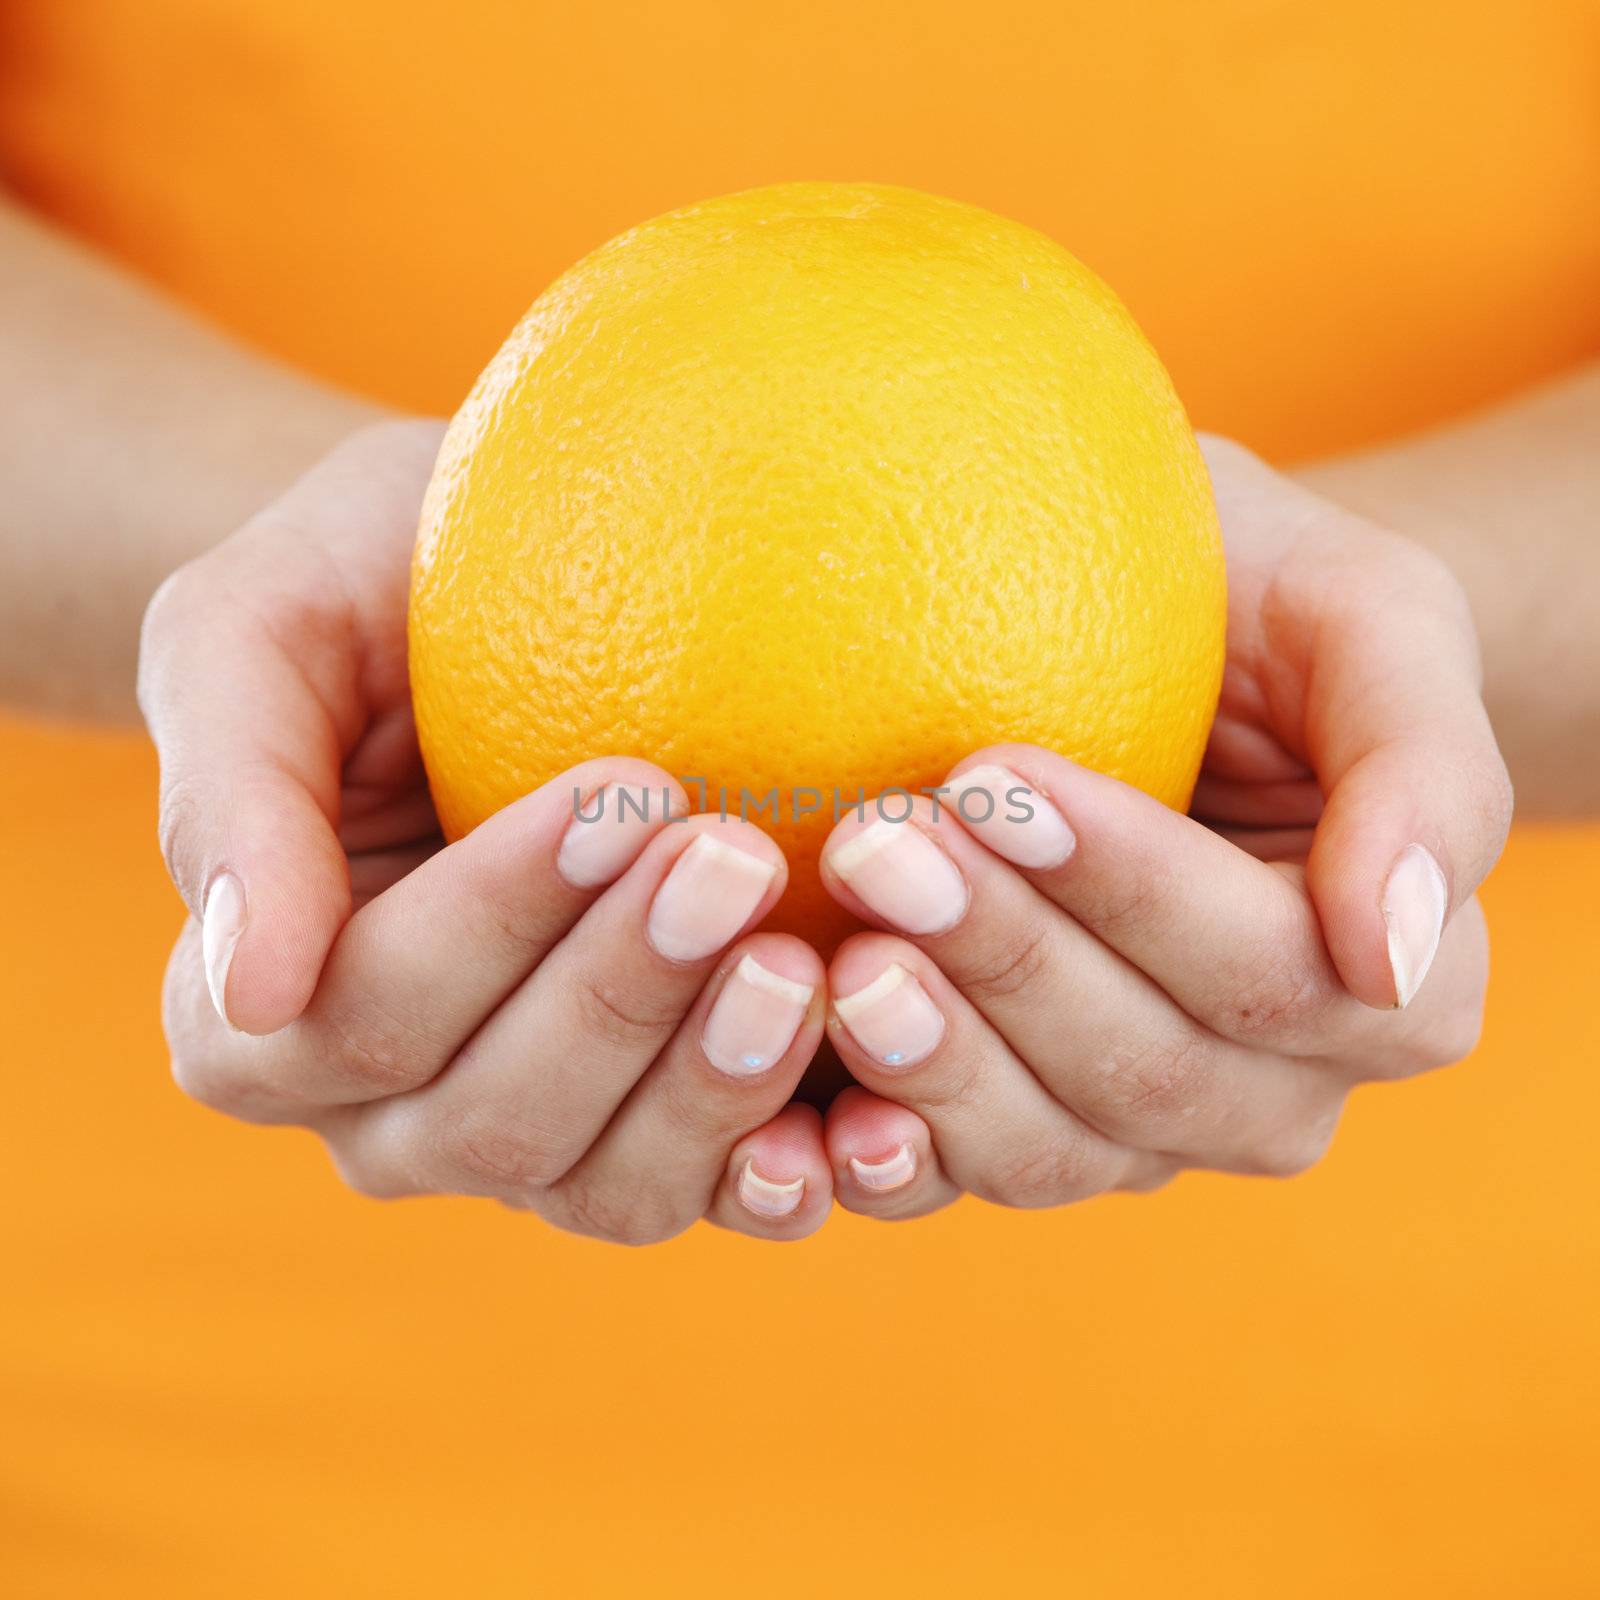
(1107, 992)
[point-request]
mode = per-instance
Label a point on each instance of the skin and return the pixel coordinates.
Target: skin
(135, 438)
(1205, 991)
(1197, 991)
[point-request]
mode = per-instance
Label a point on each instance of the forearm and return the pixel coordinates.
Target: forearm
(1511, 500)
(136, 437)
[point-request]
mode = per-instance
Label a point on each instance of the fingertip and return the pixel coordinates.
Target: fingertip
(863, 1132)
(708, 883)
(883, 1157)
(1002, 799)
(896, 865)
(778, 1184)
(786, 956)
(1383, 903)
(1010, 754)
(222, 924)
(865, 955)
(607, 811)
(266, 933)
(884, 1016)
(667, 797)
(765, 1009)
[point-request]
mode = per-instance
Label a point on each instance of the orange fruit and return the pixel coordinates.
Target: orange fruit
(816, 487)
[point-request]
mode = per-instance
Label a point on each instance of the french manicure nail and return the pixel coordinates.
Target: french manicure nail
(606, 832)
(899, 872)
(893, 1172)
(892, 1019)
(221, 924)
(754, 1020)
(706, 899)
(768, 1198)
(1415, 900)
(1012, 817)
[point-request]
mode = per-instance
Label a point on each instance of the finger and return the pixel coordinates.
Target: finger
(883, 1159)
(1235, 942)
(1156, 1173)
(1098, 1034)
(906, 1034)
(414, 973)
(1442, 1024)
(417, 970)
(729, 1069)
(776, 1183)
(251, 681)
(1418, 801)
(248, 803)
(533, 1088)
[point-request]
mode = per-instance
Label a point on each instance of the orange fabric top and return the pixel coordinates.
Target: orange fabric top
(1333, 221)
(222, 1374)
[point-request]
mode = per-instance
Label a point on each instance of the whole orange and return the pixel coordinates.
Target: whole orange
(816, 488)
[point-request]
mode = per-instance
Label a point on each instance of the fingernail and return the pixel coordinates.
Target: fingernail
(706, 899)
(1415, 900)
(768, 1198)
(606, 833)
(894, 1172)
(1012, 817)
(892, 1019)
(897, 870)
(221, 923)
(754, 1020)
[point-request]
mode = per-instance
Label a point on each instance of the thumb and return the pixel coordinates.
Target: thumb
(1418, 800)
(250, 760)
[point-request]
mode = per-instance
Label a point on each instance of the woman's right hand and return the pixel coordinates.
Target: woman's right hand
(571, 1016)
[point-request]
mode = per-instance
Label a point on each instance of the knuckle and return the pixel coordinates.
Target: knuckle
(700, 1119)
(511, 1162)
(509, 917)
(215, 1071)
(1158, 1082)
(1449, 1037)
(168, 620)
(1460, 1035)
(1299, 1147)
(1126, 910)
(947, 1077)
(199, 1077)
(1431, 589)
(1429, 574)
(1011, 965)
(232, 1088)
(363, 1179)
(1287, 1001)
(1445, 1023)
(630, 1217)
(373, 1053)
(1054, 1173)
(1493, 798)
(622, 1018)
(1150, 1180)
(169, 606)
(182, 812)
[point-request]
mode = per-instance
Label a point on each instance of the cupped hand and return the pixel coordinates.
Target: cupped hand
(565, 1010)
(1075, 989)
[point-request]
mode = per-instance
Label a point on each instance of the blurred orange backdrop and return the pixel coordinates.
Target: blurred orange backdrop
(223, 1374)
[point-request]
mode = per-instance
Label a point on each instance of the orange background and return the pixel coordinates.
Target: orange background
(224, 1375)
